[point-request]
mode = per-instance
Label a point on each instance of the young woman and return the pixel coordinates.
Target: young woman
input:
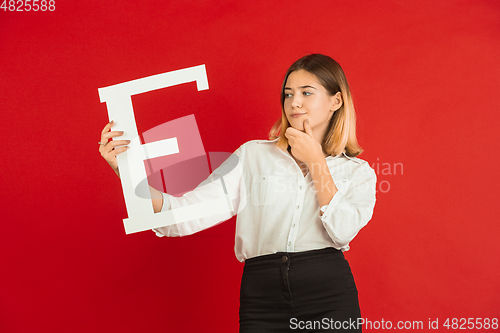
(300, 198)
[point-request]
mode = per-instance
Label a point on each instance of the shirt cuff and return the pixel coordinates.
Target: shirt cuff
(328, 209)
(166, 206)
(166, 203)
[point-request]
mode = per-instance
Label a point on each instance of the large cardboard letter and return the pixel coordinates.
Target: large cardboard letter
(140, 211)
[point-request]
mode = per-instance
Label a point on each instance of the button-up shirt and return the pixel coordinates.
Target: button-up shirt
(276, 205)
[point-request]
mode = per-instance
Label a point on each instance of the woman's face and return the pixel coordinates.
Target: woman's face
(306, 98)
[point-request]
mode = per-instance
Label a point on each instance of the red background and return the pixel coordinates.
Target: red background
(425, 78)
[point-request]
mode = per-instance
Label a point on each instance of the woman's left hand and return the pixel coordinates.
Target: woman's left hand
(305, 148)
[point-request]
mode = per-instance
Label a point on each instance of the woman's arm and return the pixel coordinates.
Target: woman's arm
(223, 183)
(347, 211)
(156, 199)
(350, 210)
(323, 181)
(225, 179)
(109, 152)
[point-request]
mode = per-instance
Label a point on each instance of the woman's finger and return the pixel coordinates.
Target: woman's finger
(109, 135)
(110, 155)
(106, 134)
(107, 127)
(104, 149)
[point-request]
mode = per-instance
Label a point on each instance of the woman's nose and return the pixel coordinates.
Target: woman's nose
(296, 102)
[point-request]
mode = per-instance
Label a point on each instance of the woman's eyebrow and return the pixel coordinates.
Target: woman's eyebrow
(301, 87)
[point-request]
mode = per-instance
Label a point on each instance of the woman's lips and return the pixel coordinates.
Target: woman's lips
(296, 115)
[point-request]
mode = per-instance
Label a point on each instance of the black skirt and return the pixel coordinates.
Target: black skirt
(311, 291)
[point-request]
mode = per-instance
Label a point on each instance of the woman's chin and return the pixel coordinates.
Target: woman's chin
(298, 127)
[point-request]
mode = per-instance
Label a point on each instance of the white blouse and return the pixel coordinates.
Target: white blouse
(276, 206)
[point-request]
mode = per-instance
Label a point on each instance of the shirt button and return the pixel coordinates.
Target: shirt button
(284, 259)
(289, 243)
(293, 225)
(300, 187)
(298, 206)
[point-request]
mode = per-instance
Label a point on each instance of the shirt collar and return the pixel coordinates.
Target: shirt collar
(264, 141)
(354, 159)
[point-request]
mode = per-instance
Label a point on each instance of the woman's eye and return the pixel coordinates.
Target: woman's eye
(306, 93)
(288, 95)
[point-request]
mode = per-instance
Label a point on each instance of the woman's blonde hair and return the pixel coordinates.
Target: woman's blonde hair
(341, 133)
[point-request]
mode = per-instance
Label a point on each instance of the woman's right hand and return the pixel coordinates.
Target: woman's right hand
(108, 151)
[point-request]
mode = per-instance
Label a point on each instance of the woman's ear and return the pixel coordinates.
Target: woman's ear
(336, 101)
